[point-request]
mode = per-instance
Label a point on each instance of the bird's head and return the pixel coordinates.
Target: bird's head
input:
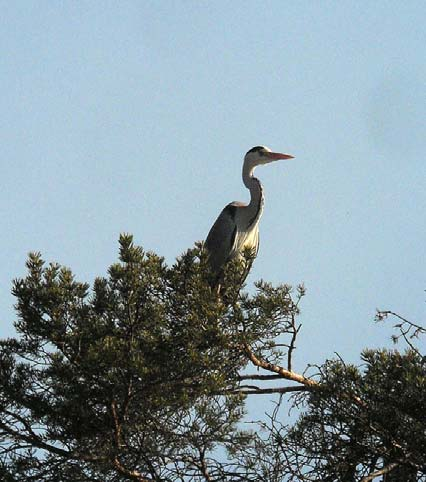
(263, 155)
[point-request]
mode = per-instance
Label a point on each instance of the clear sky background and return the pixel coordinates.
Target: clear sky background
(135, 116)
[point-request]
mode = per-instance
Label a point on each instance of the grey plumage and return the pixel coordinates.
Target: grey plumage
(222, 242)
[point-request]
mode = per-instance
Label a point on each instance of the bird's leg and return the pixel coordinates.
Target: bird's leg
(219, 292)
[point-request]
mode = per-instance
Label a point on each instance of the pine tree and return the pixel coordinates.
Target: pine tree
(144, 376)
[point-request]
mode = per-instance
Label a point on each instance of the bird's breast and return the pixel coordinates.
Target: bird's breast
(247, 240)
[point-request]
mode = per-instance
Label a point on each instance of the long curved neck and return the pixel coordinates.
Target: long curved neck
(255, 208)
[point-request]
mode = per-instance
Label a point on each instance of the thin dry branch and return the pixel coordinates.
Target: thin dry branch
(263, 391)
(129, 474)
(259, 377)
(385, 470)
(292, 347)
(36, 441)
(287, 374)
(407, 329)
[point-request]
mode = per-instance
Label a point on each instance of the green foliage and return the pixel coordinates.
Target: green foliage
(141, 377)
(136, 374)
(361, 418)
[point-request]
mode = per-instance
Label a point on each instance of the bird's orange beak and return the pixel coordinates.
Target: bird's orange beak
(277, 155)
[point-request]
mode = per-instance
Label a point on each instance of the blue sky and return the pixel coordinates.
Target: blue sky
(135, 116)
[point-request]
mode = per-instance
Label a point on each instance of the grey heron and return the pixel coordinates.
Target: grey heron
(237, 227)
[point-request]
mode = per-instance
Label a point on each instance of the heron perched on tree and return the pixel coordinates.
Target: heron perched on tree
(237, 227)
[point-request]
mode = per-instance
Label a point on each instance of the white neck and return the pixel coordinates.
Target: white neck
(255, 208)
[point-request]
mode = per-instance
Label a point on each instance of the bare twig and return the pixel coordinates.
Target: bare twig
(287, 374)
(408, 330)
(292, 346)
(263, 391)
(36, 441)
(385, 470)
(259, 377)
(129, 474)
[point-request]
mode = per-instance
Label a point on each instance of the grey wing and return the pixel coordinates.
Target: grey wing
(221, 239)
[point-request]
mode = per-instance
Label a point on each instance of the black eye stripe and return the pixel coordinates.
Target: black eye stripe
(256, 149)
